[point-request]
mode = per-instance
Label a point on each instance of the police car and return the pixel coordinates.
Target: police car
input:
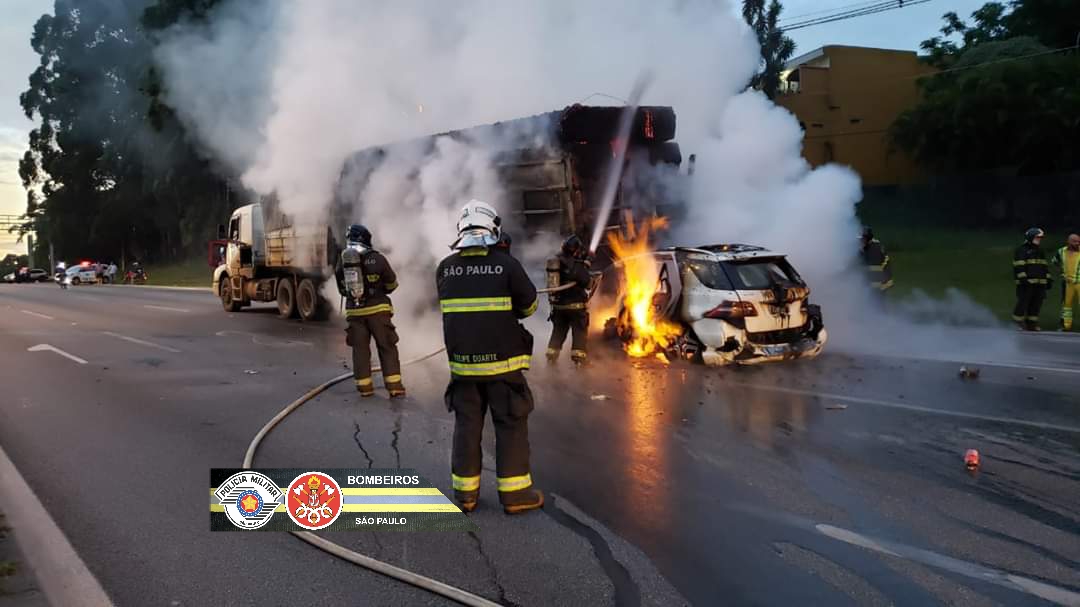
(81, 274)
(738, 304)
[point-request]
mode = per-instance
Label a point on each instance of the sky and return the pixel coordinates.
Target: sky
(898, 29)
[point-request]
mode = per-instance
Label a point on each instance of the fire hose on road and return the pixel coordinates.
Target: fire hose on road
(403, 575)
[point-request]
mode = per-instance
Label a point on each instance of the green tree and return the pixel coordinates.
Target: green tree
(776, 48)
(109, 171)
(1005, 101)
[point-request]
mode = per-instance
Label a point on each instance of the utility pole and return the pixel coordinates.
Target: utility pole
(52, 258)
(30, 251)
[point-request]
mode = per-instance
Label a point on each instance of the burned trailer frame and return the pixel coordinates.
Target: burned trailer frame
(552, 167)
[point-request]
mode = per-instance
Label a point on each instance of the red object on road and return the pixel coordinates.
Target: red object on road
(971, 458)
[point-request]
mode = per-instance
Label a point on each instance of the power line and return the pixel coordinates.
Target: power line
(828, 10)
(879, 7)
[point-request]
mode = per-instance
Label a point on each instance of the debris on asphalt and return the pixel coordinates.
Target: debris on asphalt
(969, 372)
(599, 397)
(251, 371)
(971, 459)
(1032, 377)
(836, 407)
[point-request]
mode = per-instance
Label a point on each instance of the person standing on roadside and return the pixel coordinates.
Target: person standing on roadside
(1067, 261)
(1032, 276)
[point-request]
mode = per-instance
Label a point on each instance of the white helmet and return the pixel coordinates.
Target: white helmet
(478, 226)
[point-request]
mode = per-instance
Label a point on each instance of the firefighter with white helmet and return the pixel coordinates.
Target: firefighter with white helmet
(483, 292)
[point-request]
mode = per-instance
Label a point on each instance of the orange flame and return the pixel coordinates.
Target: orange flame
(650, 334)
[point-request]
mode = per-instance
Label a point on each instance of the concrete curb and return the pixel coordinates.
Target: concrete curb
(60, 573)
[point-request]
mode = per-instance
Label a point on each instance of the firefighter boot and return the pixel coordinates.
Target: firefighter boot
(521, 501)
(394, 386)
(580, 358)
(466, 500)
(552, 356)
(365, 387)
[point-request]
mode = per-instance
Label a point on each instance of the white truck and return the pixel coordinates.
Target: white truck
(285, 263)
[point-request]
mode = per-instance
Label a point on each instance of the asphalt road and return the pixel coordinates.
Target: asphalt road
(833, 481)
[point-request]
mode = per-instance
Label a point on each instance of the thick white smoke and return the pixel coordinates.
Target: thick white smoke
(286, 91)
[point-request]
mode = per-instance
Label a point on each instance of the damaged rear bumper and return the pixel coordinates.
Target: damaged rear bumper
(725, 344)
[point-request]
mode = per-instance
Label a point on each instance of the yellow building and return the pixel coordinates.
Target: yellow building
(846, 97)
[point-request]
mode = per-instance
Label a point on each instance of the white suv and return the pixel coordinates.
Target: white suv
(739, 304)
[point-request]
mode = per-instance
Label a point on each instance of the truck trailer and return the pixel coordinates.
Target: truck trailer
(552, 168)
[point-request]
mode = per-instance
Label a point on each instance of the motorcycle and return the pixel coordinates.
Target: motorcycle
(136, 277)
(61, 279)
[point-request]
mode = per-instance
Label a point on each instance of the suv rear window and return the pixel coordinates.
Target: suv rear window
(709, 273)
(757, 274)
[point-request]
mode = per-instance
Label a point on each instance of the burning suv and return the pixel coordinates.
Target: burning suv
(721, 304)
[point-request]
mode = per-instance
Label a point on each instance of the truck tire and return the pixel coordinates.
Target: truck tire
(286, 298)
(225, 292)
(308, 301)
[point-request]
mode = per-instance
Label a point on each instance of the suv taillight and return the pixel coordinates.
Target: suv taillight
(732, 309)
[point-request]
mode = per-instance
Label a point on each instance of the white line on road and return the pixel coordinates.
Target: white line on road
(907, 407)
(1045, 591)
(59, 571)
(45, 316)
(1024, 367)
(48, 348)
(166, 308)
(141, 342)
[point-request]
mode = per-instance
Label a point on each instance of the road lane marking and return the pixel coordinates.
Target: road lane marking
(166, 308)
(45, 316)
(48, 348)
(1025, 367)
(141, 342)
(908, 407)
(1047, 592)
(59, 571)
(288, 343)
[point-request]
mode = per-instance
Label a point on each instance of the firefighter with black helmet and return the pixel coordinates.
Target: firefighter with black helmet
(1032, 275)
(569, 306)
(483, 292)
(876, 261)
(365, 279)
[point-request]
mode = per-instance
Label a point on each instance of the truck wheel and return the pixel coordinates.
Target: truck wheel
(286, 298)
(308, 300)
(225, 292)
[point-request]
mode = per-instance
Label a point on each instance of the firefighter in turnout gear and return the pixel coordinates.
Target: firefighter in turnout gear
(483, 292)
(1032, 276)
(569, 307)
(1067, 261)
(365, 279)
(876, 261)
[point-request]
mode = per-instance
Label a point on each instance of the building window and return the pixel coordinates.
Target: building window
(829, 154)
(817, 125)
(856, 120)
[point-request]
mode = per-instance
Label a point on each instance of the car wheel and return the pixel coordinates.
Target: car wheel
(75, 280)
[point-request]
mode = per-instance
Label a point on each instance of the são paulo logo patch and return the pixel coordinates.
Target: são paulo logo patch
(249, 499)
(313, 500)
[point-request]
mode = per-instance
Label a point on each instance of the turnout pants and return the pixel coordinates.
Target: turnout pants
(359, 333)
(1029, 300)
(564, 321)
(1070, 298)
(510, 403)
